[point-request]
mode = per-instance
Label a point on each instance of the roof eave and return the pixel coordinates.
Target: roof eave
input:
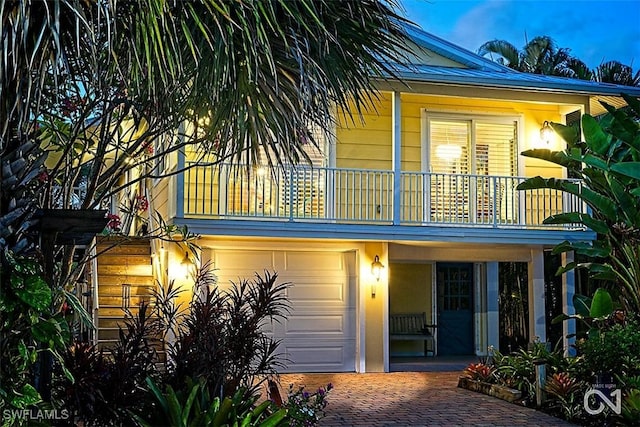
(501, 83)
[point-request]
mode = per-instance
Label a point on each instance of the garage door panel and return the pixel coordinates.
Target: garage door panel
(315, 325)
(322, 262)
(318, 357)
(270, 328)
(236, 261)
(314, 293)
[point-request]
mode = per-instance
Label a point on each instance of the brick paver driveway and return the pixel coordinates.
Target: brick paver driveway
(413, 399)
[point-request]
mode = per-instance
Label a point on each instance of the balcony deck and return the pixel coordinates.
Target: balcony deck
(340, 196)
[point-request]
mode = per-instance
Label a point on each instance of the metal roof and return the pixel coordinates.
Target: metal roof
(509, 80)
(451, 51)
(483, 72)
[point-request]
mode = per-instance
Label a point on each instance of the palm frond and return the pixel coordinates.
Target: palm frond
(504, 50)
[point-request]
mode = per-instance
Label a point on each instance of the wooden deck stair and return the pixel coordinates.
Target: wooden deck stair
(125, 279)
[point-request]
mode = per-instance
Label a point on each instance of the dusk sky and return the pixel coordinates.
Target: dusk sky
(595, 30)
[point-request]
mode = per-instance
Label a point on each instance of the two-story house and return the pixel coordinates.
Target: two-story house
(424, 187)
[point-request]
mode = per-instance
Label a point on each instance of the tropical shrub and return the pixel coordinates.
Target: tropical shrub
(306, 409)
(631, 407)
(614, 351)
(566, 393)
(221, 337)
(32, 333)
(609, 354)
(518, 369)
(108, 385)
(479, 372)
(193, 405)
(607, 162)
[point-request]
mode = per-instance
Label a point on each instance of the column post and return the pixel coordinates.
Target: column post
(568, 291)
(396, 153)
(493, 310)
(537, 322)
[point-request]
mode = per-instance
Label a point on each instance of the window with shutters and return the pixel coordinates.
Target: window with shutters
(286, 190)
(463, 154)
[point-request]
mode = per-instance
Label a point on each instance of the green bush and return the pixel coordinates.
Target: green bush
(193, 405)
(614, 351)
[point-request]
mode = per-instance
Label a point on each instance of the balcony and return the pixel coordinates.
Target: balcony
(373, 197)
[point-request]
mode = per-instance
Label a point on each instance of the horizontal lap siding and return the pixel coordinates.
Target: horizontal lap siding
(366, 143)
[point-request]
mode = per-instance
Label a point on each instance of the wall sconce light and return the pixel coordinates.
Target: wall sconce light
(186, 264)
(376, 271)
(546, 133)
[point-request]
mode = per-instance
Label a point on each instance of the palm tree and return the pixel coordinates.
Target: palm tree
(617, 73)
(541, 56)
(538, 56)
(251, 74)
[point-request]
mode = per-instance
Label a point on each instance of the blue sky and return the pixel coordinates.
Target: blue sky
(594, 30)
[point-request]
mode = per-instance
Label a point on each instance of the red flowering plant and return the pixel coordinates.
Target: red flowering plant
(114, 224)
(480, 372)
(566, 394)
(141, 203)
(147, 148)
(562, 385)
(43, 176)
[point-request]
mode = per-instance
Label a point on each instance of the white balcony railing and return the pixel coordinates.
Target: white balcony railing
(340, 195)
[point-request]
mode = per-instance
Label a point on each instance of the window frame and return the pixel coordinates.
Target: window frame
(428, 115)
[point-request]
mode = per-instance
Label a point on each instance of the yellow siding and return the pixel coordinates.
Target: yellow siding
(366, 142)
(161, 198)
(409, 292)
(374, 308)
(369, 144)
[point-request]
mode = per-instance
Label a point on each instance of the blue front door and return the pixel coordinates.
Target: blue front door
(455, 308)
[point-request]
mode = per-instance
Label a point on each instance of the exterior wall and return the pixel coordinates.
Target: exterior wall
(451, 252)
(367, 143)
(409, 292)
(161, 197)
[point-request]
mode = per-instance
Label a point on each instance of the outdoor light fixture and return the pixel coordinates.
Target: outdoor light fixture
(376, 271)
(186, 261)
(186, 264)
(546, 133)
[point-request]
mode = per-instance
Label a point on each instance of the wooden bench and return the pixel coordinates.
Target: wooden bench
(412, 327)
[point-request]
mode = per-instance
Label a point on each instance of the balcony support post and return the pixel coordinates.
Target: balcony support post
(493, 309)
(568, 291)
(537, 320)
(180, 192)
(396, 153)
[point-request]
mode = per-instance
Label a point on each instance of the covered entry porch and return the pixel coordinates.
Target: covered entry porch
(457, 287)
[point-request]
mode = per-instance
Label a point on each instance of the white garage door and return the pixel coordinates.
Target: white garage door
(319, 332)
